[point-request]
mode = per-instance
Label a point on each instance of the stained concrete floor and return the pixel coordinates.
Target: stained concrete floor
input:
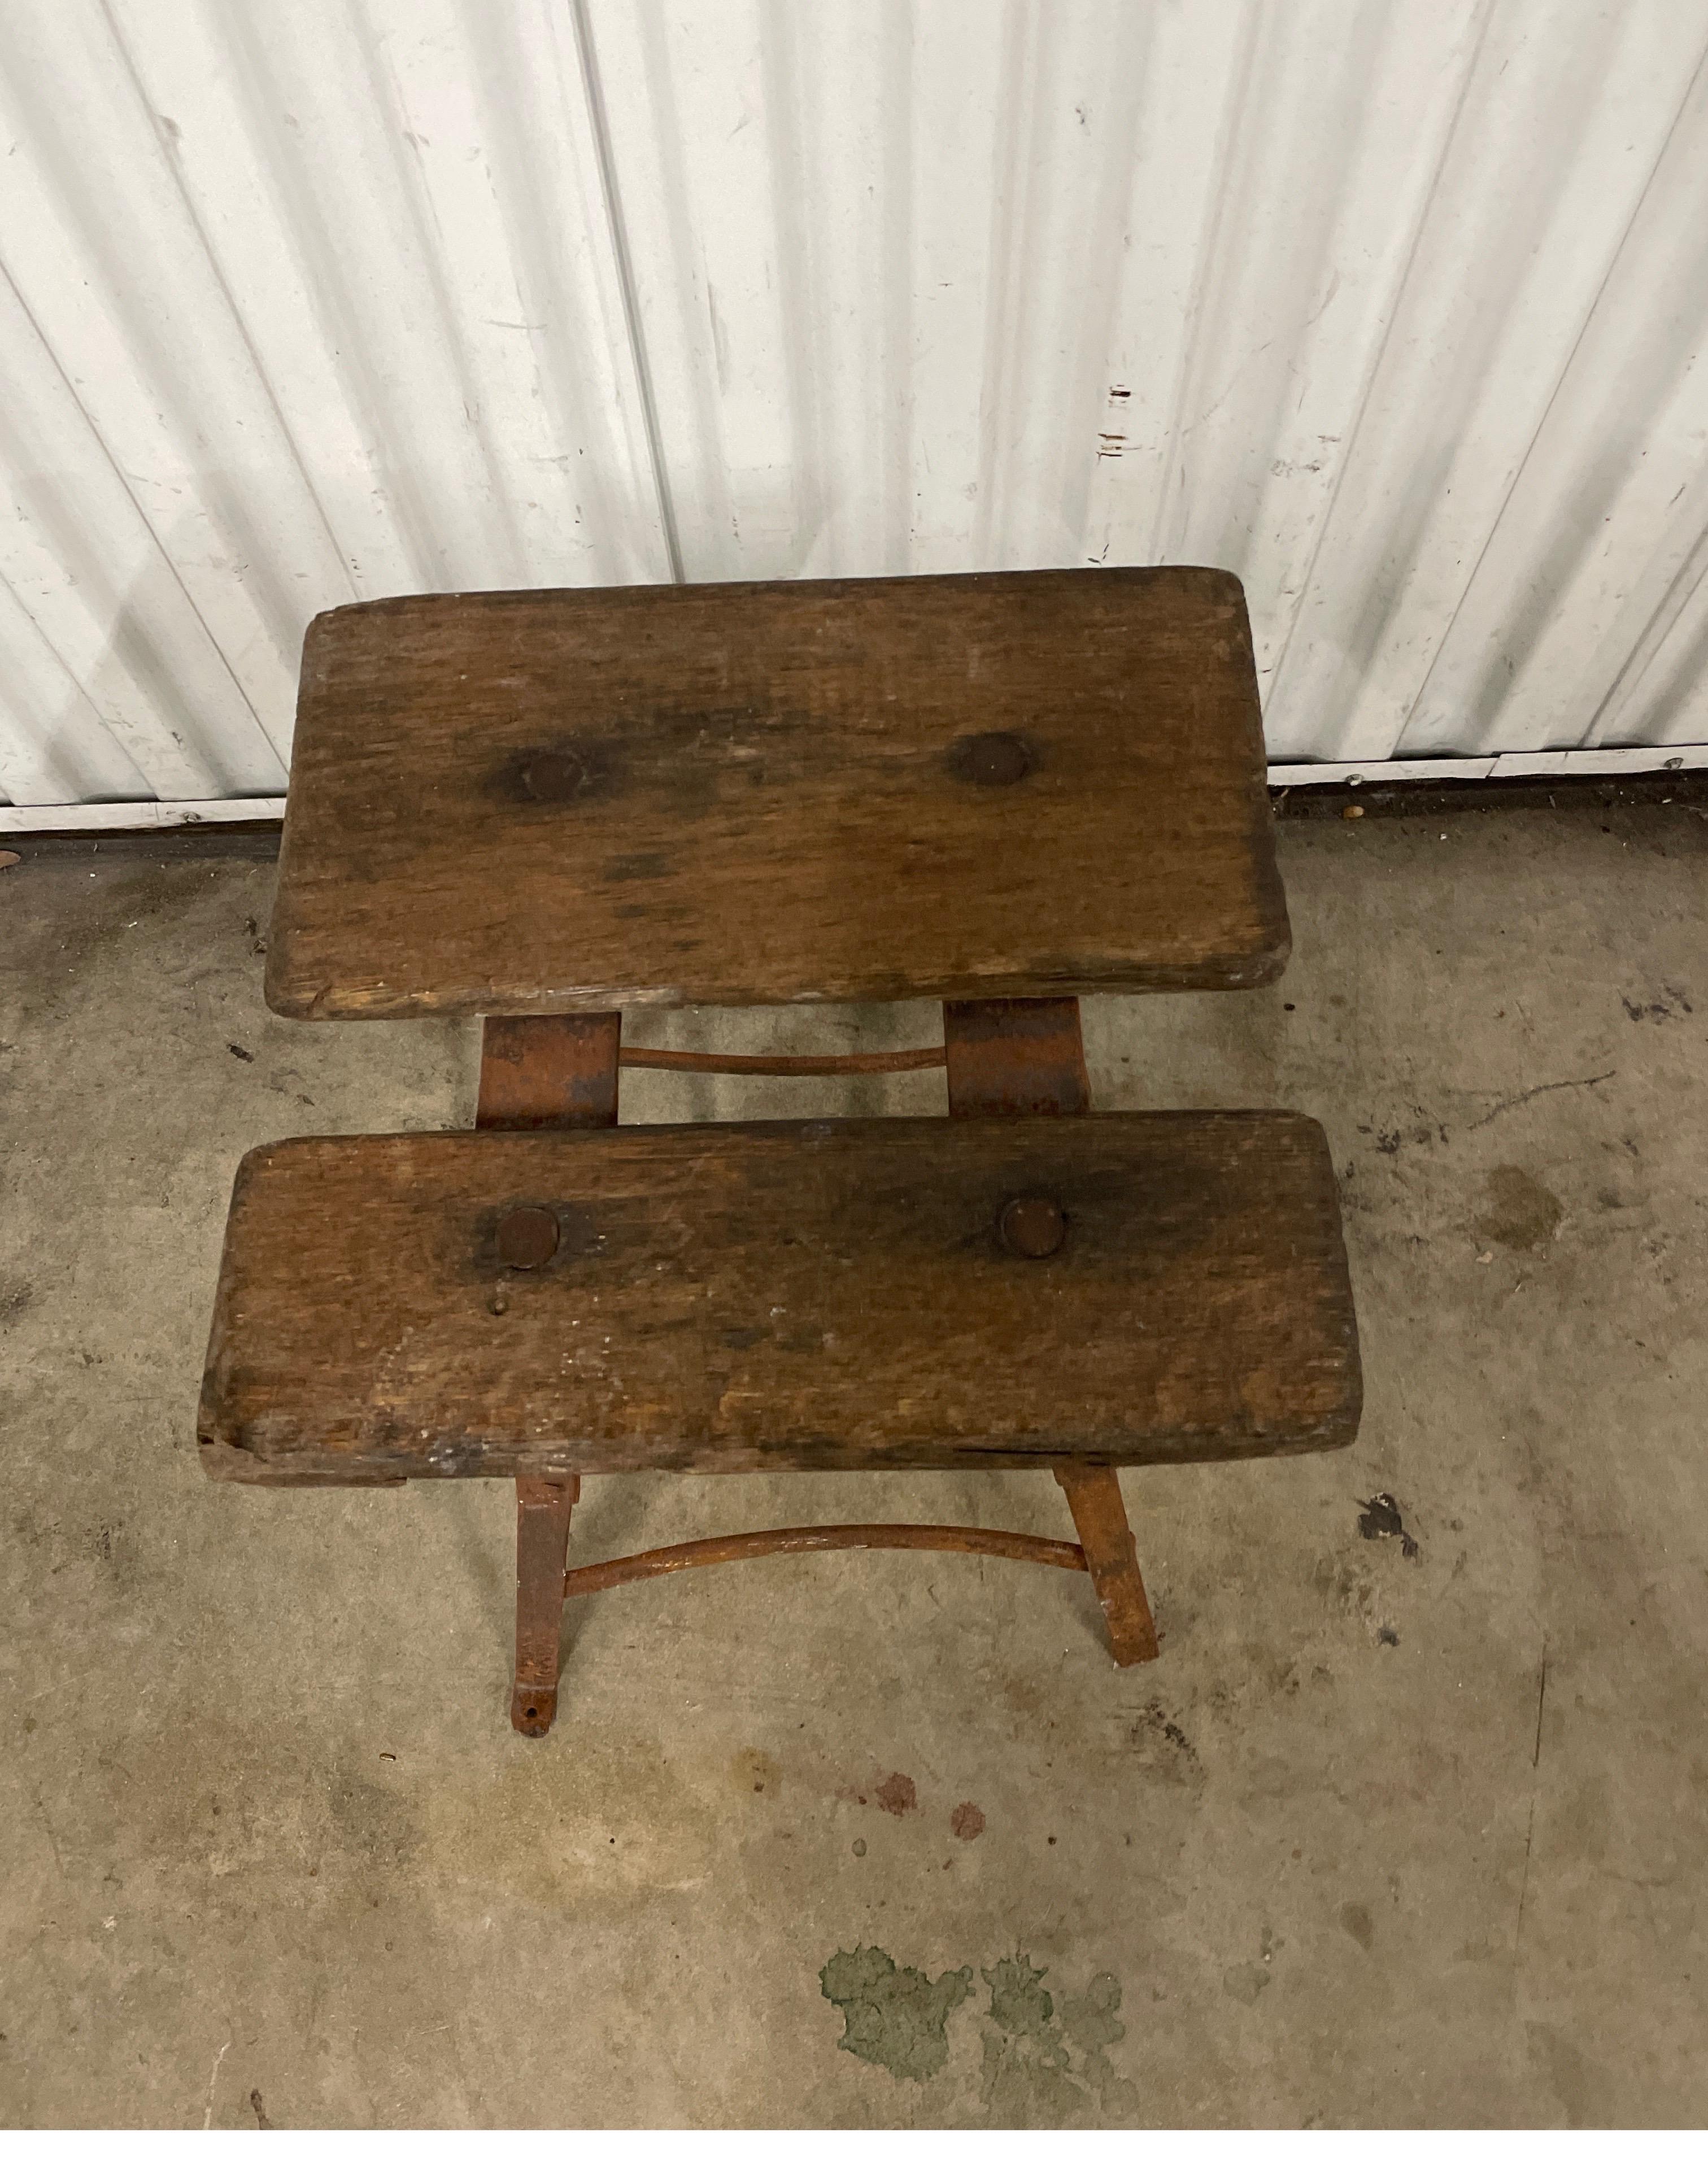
(1386, 1837)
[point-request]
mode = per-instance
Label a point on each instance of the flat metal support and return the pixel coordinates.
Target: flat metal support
(898, 1063)
(827, 1537)
(544, 1071)
(543, 1539)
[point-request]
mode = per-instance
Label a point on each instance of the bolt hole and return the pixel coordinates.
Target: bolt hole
(531, 1712)
(997, 760)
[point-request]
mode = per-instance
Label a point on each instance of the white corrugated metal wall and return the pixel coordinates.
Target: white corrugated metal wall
(1395, 306)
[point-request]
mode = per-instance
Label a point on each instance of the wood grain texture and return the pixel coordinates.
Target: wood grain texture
(538, 802)
(782, 1296)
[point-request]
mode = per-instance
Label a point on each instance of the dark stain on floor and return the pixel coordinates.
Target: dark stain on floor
(1382, 1518)
(896, 1795)
(1517, 1211)
(1664, 1010)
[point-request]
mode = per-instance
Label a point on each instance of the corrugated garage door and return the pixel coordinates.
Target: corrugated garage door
(1396, 307)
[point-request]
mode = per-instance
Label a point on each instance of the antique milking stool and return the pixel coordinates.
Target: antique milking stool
(1000, 792)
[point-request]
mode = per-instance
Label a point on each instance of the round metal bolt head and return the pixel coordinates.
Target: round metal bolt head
(527, 1237)
(1032, 1226)
(995, 760)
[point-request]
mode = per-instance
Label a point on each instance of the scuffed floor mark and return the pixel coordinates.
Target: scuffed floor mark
(1657, 1010)
(893, 2017)
(1540, 1090)
(207, 2117)
(1162, 1745)
(1041, 2064)
(259, 2110)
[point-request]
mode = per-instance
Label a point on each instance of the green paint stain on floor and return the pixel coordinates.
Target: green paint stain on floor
(1027, 2071)
(1094, 2022)
(1042, 2063)
(1020, 1999)
(894, 2017)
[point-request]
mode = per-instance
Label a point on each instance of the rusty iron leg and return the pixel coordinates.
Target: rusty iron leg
(1014, 1057)
(545, 1072)
(548, 1071)
(542, 1546)
(1006, 1056)
(1095, 1501)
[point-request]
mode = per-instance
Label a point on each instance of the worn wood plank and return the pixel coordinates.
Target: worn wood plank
(538, 802)
(834, 1295)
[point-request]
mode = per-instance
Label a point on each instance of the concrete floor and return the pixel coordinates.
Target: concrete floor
(1386, 1837)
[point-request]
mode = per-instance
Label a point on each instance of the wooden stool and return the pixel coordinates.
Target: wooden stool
(1001, 792)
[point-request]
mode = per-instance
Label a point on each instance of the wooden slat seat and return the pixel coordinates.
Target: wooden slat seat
(959, 787)
(782, 1296)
